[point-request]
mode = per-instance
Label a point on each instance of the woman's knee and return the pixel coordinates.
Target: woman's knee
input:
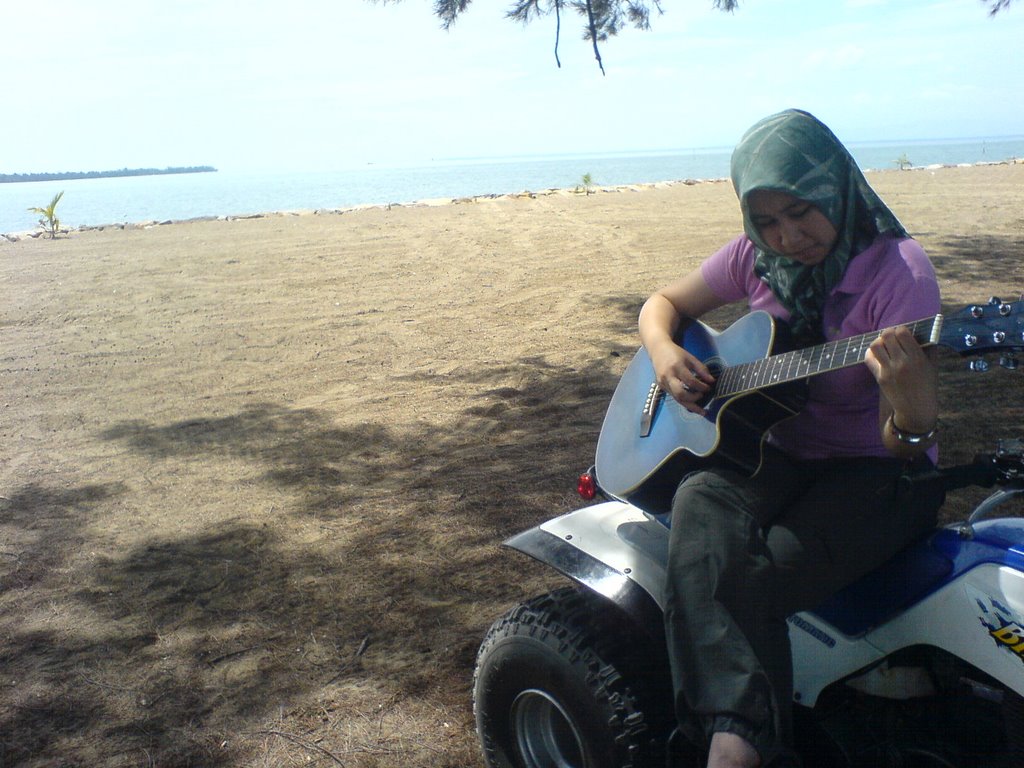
(705, 493)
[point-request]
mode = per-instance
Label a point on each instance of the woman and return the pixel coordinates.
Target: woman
(824, 254)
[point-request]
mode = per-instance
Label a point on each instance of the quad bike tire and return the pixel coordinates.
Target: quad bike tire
(560, 683)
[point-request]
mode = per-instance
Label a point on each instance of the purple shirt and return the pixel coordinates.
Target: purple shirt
(890, 283)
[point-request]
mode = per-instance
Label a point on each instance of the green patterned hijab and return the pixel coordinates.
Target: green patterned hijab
(794, 152)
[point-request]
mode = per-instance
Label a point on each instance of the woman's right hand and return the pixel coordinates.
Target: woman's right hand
(681, 375)
(678, 372)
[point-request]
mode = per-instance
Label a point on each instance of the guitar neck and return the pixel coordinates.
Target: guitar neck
(811, 361)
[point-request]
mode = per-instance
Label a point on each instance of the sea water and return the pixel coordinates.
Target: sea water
(230, 193)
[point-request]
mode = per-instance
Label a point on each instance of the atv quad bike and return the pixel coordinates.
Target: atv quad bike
(918, 665)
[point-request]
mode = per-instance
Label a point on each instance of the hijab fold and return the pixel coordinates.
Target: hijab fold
(795, 153)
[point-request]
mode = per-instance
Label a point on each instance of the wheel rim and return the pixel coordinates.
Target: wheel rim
(545, 735)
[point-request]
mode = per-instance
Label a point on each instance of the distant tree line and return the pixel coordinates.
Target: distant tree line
(7, 178)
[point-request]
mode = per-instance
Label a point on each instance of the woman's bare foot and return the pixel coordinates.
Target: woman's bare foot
(731, 751)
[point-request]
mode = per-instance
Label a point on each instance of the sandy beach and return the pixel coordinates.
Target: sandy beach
(255, 474)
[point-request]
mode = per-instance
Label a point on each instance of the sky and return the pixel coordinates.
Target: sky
(306, 85)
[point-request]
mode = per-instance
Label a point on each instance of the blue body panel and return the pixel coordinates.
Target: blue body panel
(920, 570)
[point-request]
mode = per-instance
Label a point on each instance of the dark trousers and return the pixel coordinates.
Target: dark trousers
(745, 553)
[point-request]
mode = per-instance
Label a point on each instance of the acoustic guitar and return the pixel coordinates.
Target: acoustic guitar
(756, 387)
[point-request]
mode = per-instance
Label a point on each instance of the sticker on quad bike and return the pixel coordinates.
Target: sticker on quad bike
(1004, 626)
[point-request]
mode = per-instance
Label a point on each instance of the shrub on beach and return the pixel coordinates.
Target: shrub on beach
(48, 216)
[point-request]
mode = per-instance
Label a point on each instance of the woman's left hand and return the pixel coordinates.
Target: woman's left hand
(907, 378)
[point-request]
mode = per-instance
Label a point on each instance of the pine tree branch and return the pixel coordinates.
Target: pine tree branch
(593, 35)
(558, 30)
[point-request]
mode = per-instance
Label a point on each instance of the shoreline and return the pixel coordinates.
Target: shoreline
(38, 232)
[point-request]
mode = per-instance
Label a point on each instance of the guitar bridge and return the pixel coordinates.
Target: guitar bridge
(654, 396)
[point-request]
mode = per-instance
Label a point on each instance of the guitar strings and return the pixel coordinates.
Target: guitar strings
(803, 363)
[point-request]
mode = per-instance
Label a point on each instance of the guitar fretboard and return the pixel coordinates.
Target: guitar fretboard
(810, 361)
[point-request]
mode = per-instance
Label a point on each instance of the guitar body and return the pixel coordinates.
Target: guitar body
(649, 439)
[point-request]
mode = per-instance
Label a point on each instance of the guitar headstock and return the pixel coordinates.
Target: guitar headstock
(977, 329)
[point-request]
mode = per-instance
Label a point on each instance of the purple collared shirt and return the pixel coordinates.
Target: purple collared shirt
(889, 284)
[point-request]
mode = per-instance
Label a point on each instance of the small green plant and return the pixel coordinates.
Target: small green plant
(903, 162)
(586, 183)
(49, 221)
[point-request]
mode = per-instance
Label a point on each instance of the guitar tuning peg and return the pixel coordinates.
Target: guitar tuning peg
(1009, 362)
(978, 365)
(995, 301)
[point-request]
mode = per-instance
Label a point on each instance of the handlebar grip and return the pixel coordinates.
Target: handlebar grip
(981, 472)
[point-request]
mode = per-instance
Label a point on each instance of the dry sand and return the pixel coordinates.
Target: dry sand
(255, 474)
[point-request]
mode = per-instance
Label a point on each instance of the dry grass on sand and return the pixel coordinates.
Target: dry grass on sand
(255, 474)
